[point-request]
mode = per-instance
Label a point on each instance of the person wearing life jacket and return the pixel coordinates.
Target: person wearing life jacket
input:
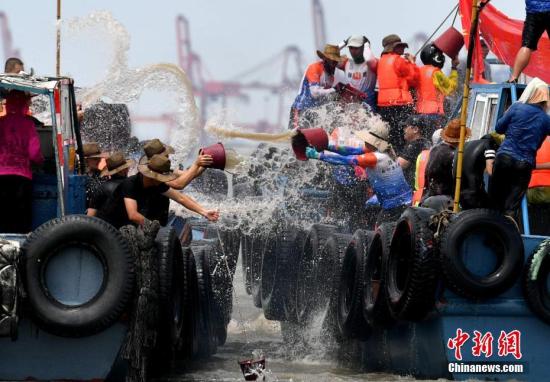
(525, 126)
(360, 70)
(420, 172)
(396, 74)
(539, 186)
(316, 88)
(378, 158)
(478, 160)
(433, 86)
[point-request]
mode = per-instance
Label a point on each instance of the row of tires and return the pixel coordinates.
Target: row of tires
(396, 272)
(80, 276)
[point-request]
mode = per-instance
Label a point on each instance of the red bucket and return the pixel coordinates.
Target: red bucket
(217, 152)
(253, 369)
(450, 42)
(317, 138)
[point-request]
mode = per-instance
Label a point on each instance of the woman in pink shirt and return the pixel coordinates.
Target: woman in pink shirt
(19, 146)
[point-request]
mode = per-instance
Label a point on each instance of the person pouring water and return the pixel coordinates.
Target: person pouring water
(383, 171)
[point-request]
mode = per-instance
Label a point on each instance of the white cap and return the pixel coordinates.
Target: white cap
(356, 41)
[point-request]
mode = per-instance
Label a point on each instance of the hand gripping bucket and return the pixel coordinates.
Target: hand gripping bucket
(253, 369)
(217, 152)
(316, 138)
(450, 42)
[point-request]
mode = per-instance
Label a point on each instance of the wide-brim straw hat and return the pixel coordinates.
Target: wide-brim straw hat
(392, 41)
(116, 163)
(377, 137)
(451, 132)
(92, 150)
(158, 168)
(331, 52)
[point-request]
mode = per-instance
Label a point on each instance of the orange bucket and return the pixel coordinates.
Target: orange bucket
(252, 369)
(217, 152)
(316, 138)
(450, 42)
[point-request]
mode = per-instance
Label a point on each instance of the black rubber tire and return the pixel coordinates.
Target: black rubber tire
(208, 341)
(258, 246)
(412, 273)
(350, 298)
(192, 318)
(335, 248)
(503, 234)
(278, 263)
(108, 246)
(376, 310)
(171, 292)
(535, 281)
(312, 270)
(222, 291)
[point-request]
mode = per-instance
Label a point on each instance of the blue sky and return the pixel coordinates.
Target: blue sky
(229, 35)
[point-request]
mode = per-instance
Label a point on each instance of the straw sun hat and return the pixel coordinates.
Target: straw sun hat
(376, 136)
(158, 168)
(116, 163)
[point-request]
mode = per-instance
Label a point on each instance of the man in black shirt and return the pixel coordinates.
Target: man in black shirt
(117, 169)
(479, 156)
(137, 198)
(439, 178)
(415, 143)
(92, 156)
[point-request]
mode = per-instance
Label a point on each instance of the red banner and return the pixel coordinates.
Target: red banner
(503, 36)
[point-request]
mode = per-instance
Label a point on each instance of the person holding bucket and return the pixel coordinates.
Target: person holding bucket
(134, 200)
(155, 146)
(379, 160)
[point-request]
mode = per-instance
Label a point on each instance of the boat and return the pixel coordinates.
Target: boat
(72, 289)
(437, 294)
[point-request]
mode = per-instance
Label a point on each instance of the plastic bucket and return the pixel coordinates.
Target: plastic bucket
(252, 369)
(450, 42)
(217, 152)
(316, 138)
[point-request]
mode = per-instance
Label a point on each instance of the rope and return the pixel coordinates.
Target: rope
(455, 8)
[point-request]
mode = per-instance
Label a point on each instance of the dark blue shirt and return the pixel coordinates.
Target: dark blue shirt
(525, 127)
(537, 6)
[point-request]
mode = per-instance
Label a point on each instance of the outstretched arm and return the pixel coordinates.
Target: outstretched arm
(189, 203)
(365, 160)
(346, 150)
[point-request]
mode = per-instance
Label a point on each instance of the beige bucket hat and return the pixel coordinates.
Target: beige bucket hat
(158, 168)
(376, 136)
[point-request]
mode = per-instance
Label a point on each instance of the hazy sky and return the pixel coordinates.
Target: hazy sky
(229, 35)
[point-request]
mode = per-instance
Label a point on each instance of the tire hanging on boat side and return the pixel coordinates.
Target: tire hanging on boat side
(66, 235)
(350, 305)
(312, 268)
(536, 281)
(412, 271)
(501, 236)
(376, 310)
(335, 249)
(171, 293)
(208, 341)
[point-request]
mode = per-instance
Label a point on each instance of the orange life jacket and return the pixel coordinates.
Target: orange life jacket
(430, 99)
(421, 162)
(541, 178)
(393, 90)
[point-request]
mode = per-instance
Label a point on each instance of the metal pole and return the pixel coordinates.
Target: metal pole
(464, 112)
(58, 45)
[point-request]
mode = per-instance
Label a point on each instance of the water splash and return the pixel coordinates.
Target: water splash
(122, 84)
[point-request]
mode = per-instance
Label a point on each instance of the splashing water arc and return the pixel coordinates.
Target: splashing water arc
(261, 137)
(124, 85)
